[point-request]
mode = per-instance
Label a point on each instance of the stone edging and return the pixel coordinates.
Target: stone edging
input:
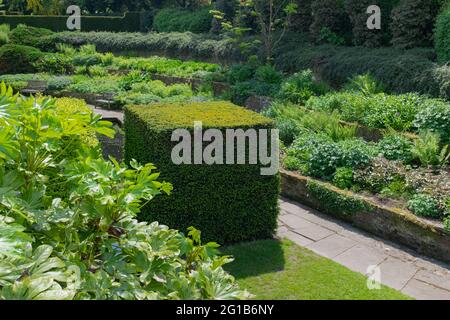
(394, 224)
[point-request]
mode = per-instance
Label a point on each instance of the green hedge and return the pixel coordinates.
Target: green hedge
(130, 22)
(400, 71)
(228, 203)
(178, 20)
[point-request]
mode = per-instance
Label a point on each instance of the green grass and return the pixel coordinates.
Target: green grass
(281, 270)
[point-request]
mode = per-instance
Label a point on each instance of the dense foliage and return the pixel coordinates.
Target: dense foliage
(18, 59)
(413, 22)
(442, 35)
(171, 44)
(29, 36)
(67, 217)
(202, 195)
(398, 70)
(177, 20)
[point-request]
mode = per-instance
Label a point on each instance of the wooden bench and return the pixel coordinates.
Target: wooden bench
(105, 99)
(35, 87)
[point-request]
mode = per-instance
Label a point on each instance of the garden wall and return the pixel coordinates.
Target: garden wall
(394, 224)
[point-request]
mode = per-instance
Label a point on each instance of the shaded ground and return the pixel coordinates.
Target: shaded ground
(113, 147)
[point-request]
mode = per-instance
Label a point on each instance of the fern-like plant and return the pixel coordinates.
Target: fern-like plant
(428, 151)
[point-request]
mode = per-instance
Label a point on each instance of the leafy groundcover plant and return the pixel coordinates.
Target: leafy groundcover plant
(67, 226)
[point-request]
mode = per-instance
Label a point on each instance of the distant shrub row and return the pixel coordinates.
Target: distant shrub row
(175, 44)
(400, 71)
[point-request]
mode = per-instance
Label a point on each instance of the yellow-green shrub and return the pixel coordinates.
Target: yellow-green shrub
(228, 203)
(68, 106)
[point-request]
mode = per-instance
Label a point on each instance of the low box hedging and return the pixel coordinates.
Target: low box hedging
(228, 203)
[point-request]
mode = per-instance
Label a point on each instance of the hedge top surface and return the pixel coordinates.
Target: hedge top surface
(217, 114)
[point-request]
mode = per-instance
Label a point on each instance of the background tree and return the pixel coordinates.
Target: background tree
(272, 18)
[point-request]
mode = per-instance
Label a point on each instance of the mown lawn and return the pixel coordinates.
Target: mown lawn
(281, 270)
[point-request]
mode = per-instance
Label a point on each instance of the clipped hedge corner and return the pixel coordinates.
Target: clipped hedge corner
(228, 203)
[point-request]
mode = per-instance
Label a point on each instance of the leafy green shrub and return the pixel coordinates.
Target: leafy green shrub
(343, 178)
(55, 63)
(98, 85)
(328, 36)
(389, 111)
(427, 150)
(413, 22)
(364, 84)
(424, 205)
(442, 36)
(396, 189)
(18, 59)
(293, 164)
(400, 71)
(376, 111)
(219, 199)
(396, 147)
(287, 120)
(434, 116)
(83, 242)
(178, 20)
(4, 34)
(300, 87)
(250, 79)
(324, 156)
(29, 36)
(268, 74)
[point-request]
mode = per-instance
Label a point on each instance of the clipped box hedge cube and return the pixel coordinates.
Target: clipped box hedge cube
(228, 203)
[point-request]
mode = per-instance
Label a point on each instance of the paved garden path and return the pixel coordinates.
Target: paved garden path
(401, 269)
(108, 114)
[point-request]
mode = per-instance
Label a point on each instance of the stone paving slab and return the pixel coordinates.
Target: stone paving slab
(109, 114)
(400, 268)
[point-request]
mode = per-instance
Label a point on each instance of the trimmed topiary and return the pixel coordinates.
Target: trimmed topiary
(18, 59)
(29, 36)
(228, 203)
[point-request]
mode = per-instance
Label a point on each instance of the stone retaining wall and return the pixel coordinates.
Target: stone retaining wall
(424, 236)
